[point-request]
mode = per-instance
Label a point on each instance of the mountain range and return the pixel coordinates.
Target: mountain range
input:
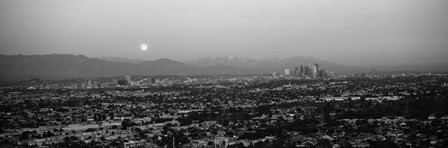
(65, 66)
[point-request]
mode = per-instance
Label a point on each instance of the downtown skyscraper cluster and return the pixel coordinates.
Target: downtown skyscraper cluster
(310, 71)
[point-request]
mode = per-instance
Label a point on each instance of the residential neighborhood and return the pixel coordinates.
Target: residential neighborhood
(228, 111)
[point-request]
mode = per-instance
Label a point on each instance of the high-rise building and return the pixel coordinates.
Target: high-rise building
(296, 71)
(317, 69)
(314, 72)
(128, 79)
(286, 72)
(89, 84)
(310, 72)
(302, 71)
(322, 73)
(307, 71)
(274, 75)
(115, 81)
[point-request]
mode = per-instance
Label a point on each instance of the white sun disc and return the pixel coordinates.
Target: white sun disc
(143, 47)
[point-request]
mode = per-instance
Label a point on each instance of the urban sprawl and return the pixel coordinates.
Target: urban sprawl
(302, 107)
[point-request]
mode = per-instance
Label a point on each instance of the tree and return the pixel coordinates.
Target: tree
(323, 143)
(112, 116)
(383, 143)
(345, 144)
(239, 145)
(126, 123)
(210, 143)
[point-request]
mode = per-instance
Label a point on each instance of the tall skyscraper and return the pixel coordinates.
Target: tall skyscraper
(302, 71)
(317, 69)
(296, 71)
(286, 72)
(314, 72)
(307, 71)
(310, 70)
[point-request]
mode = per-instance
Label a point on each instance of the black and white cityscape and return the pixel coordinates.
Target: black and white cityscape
(223, 74)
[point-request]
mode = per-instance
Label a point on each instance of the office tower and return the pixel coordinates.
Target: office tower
(307, 71)
(128, 79)
(310, 70)
(302, 71)
(296, 71)
(286, 72)
(314, 72)
(321, 73)
(274, 75)
(115, 81)
(317, 69)
(89, 84)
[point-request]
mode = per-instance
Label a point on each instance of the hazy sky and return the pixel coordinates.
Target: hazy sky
(352, 32)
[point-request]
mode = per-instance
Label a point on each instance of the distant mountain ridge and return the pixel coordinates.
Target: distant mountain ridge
(416, 67)
(229, 60)
(64, 66)
(122, 60)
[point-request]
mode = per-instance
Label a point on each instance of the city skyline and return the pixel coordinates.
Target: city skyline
(347, 32)
(223, 74)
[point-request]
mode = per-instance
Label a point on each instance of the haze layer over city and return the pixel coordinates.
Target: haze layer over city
(223, 74)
